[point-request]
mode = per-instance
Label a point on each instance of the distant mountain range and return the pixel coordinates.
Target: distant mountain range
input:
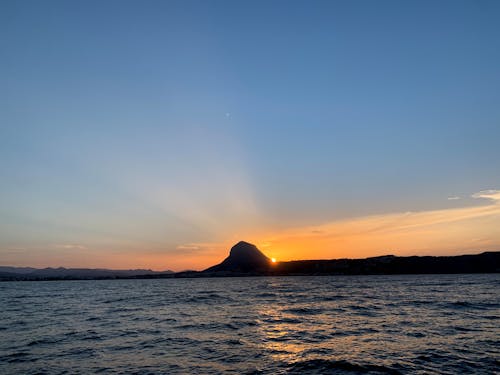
(246, 259)
(28, 273)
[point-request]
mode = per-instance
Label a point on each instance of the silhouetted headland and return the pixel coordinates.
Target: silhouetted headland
(245, 259)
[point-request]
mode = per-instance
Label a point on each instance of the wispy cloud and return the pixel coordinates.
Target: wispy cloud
(71, 246)
(188, 247)
(443, 231)
(204, 248)
(491, 194)
(454, 198)
(423, 232)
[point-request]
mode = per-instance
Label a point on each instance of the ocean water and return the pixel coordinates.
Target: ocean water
(414, 324)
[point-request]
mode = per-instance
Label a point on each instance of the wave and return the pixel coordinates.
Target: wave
(304, 311)
(44, 341)
(322, 366)
(229, 326)
(472, 305)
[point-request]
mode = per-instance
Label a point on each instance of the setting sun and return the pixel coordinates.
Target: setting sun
(273, 260)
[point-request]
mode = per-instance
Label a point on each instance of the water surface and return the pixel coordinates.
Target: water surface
(410, 324)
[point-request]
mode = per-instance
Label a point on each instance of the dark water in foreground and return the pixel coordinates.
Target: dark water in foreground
(446, 324)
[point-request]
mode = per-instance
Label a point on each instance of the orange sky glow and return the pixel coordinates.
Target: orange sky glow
(452, 231)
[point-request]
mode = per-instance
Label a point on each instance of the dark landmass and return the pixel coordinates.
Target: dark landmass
(243, 257)
(246, 259)
(28, 273)
(244, 253)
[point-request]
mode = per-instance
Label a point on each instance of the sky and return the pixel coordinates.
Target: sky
(156, 134)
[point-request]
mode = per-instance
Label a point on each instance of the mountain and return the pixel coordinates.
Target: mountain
(244, 257)
(17, 270)
(28, 273)
(487, 262)
(246, 260)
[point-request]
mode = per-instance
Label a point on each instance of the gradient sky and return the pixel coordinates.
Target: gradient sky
(157, 134)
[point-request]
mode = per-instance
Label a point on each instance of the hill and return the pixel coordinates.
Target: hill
(245, 259)
(28, 273)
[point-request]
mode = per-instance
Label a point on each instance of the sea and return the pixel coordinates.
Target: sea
(411, 324)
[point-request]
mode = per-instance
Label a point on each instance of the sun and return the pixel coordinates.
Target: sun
(273, 260)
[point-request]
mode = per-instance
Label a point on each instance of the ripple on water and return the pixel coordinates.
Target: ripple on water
(322, 366)
(279, 325)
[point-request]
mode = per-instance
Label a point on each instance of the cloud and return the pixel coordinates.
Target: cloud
(13, 250)
(450, 231)
(71, 246)
(201, 248)
(491, 194)
(443, 231)
(454, 198)
(188, 247)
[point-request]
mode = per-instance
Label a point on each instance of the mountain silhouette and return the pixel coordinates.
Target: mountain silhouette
(246, 259)
(61, 273)
(243, 257)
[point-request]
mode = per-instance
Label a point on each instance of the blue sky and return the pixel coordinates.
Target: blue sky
(133, 130)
